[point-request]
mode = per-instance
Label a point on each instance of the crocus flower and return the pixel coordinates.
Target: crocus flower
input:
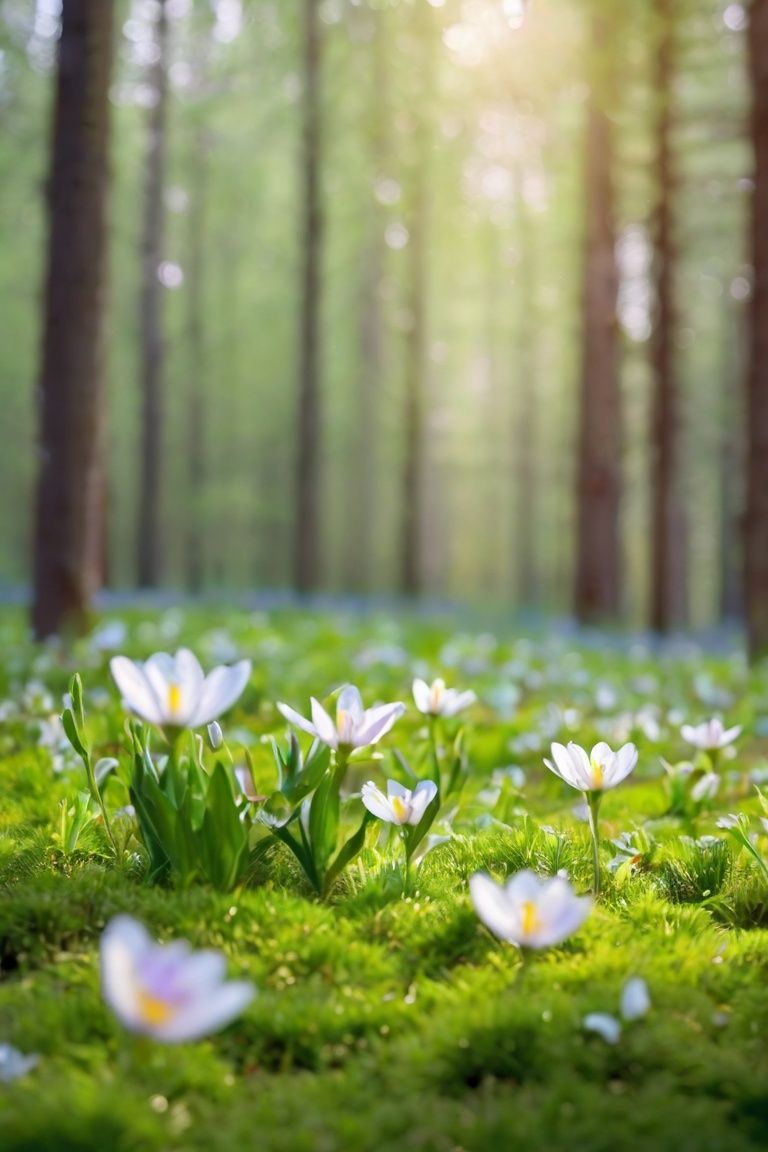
(14, 1064)
(354, 726)
(173, 692)
(166, 991)
(635, 999)
(530, 911)
(436, 700)
(596, 772)
(710, 736)
(400, 805)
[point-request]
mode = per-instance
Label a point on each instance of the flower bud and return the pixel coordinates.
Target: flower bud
(215, 735)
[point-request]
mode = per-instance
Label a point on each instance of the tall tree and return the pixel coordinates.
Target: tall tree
(306, 546)
(668, 569)
(148, 527)
(598, 552)
(196, 344)
(412, 479)
(756, 525)
(525, 415)
(69, 521)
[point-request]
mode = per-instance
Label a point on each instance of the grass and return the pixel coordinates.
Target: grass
(387, 1020)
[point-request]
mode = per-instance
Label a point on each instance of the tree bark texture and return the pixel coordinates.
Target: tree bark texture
(756, 522)
(69, 518)
(598, 552)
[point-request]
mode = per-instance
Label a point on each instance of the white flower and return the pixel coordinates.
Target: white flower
(635, 999)
(354, 727)
(166, 991)
(436, 700)
(710, 736)
(529, 910)
(400, 805)
(172, 691)
(599, 770)
(705, 787)
(604, 1025)
(13, 1064)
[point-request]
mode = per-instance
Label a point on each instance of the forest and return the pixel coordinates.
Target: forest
(383, 575)
(442, 299)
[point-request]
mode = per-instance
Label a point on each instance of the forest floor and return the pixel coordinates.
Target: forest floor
(388, 1019)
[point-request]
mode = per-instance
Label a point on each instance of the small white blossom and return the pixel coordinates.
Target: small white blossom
(173, 692)
(599, 770)
(353, 727)
(436, 700)
(399, 805)
(530, 910)
(710, 736)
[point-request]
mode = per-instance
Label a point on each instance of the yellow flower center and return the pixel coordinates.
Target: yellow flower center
(530, 921)
(174, 698)
(400, 809)
(153, 1011)
(597, 774)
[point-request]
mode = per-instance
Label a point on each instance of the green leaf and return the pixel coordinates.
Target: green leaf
(72, 734)
(347, 853)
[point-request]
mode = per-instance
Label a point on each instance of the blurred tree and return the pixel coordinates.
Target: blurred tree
(70, 497)
(307, 536)
(597, 592)
(148, 527)
(668, 567)
(418, 150)
(756, 539)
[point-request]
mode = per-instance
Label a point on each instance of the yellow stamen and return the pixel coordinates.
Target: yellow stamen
(400, 809)
(174, 699)
(154, 1011)
(530, 918)
(597, 774)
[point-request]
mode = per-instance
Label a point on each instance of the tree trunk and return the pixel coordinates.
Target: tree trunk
(361, 542)
(412, 481)
(732, 465)
(668, 568)
(306, 518)
(524, 459)
(196, 422)
(597, 589)
(69, 525)
(148, 528)
(756, 525)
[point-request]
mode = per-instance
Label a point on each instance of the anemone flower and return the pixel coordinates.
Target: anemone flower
(399, 805)
(436, 700)
(353, 727)
(166, 991)
(710, 736)
(529, 910)
(173, 692)
(592, 774)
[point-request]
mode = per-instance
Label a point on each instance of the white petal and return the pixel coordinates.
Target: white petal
(376, 723)
(493, 907)
(564, 766)
(730, 735)
(625, 761)
(458, 701)
(222, 687)
(423, 795)
(190, 678)
(376, 802)
(135, 689)
(123, 944)
(395, 788)
(421, 695)
(604, 1025)
(690, 734)
(208, 1014)
(635, 1000)
(324, 726)
(351, 702)
(294, 718)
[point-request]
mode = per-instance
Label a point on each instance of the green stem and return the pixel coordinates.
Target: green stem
(96, 794)
(593, 799)
(407, 871)
(434, 722)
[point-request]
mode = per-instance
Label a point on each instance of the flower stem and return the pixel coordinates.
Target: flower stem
(96, 794)
(433, 734)
(593, 799)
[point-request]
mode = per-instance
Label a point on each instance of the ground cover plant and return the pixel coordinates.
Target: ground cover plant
(337, 866)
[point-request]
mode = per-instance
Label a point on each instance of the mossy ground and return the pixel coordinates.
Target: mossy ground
(387, 1020)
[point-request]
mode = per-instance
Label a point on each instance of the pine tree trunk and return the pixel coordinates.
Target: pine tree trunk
(307, 511)
(756, 525)
(148, 527)
(69, 524)
(524, 459)
(668, 568)
(597, 592)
